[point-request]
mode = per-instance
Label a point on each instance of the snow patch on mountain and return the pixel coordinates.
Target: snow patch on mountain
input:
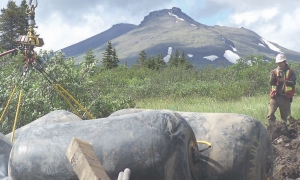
(271, 46)
(261, 44)
(167, 58)
(223, 40)
(233, 48)
(231, 56)
(190, 55)
(211, 57)
(228, 43)
(171, 14)
(193, 24)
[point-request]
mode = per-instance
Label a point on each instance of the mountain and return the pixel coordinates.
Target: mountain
(97, 40)
(167, 30)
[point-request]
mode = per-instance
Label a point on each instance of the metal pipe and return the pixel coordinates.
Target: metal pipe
(7, 52)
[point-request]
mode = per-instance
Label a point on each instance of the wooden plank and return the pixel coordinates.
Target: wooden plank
(84, 161)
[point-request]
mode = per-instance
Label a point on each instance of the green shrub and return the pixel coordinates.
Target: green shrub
(103, 91)
(104, 105)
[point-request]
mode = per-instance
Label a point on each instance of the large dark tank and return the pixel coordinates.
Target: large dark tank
(5, 147)
(50, 118)
(241, 147)
(154, 145)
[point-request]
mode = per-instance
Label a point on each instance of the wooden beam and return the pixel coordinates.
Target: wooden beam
(84, 161)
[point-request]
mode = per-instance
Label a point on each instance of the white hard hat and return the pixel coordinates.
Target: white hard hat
(280, 58)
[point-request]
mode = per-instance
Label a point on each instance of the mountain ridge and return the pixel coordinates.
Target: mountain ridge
(164, 31)
(98, 39)
(176, 12)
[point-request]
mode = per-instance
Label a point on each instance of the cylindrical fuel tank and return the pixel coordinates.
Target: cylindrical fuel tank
(154, 145)
(5, 148)
(50, 118)
(241, 147)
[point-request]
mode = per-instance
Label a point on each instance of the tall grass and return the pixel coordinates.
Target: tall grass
(256, 106)
(224, 83)
(241, 88)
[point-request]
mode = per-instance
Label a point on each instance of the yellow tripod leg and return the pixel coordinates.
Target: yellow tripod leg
(89, 114)
(8, 102)
(66, 99)
(16, 117)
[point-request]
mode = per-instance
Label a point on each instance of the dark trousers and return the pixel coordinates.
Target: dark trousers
(284, 105)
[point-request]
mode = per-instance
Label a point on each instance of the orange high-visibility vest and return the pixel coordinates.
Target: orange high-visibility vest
(289, 91)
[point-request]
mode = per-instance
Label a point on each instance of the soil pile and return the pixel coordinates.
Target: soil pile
(286, 149)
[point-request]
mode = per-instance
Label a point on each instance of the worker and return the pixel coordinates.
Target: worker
(282, 81)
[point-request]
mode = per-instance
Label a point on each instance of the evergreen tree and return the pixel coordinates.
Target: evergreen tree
(115, 59)
(174, 60)
(142, 58)
(154, 63)
(159, 62)
(182, 59)
(148, 63)
(171, 59)
(90, 57)
(23, 19)
(13, 22)
(107, 59)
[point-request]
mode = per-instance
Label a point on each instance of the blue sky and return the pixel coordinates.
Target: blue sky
(65, 22)
(216, 18)
(194, 9)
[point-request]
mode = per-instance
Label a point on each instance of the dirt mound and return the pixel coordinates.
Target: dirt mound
(286, 148)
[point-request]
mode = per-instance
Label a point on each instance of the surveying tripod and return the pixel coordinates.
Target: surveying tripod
(28, 43)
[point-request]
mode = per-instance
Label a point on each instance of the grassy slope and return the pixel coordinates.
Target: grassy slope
(256, 107)
(165, 32)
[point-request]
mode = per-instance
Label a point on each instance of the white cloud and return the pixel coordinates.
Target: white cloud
(289, 31)
(250, 17)
(63, 23)
(61, 33)
(277, 21)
